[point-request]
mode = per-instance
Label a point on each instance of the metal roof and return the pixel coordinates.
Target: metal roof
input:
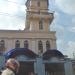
(20, 51)
(52, 53)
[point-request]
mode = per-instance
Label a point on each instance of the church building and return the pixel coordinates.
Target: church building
(35, 46)
(36, 35)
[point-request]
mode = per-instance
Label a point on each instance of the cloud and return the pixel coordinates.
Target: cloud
(67, 6)
(71, 27)
(22, 2)
(73, 21)
(64, 43)
(12, 8)
(12, 13)
(8, 7)
(59, 31)
(61, 44)
(67, 48)
(62, 47)
(56, 27)
(71, 48)
(14, 23)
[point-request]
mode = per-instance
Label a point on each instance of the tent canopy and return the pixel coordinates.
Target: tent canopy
(52, 53)
(20, 51)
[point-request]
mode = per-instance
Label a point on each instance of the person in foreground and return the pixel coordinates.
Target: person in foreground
(12, 67)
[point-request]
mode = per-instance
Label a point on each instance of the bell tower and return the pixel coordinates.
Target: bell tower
(37, 26)
(38, 17)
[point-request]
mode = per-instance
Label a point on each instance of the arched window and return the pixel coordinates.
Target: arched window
(38, 3)
(47, 45)
(26, 44)
(2, 44)
(41, 24)
(40, 47)
(17, 44)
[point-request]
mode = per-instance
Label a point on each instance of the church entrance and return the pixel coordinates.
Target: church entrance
(26, 68)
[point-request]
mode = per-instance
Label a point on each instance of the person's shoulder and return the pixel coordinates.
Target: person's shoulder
(7, 72)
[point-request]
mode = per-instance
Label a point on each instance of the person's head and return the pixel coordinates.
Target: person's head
(13, 64)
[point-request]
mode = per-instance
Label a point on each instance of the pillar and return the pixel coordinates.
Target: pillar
(68, 68)
(35, 68)
(40, 67)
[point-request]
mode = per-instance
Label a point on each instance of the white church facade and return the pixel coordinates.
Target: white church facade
(35, 46)
(36, 35)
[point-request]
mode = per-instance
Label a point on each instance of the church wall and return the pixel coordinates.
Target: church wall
(33, 25)
(43, 5)
(53, 43)
(21, 35)
(46, 25)
(33, 43)
(9, 44)
(44, 45)
(37, 10)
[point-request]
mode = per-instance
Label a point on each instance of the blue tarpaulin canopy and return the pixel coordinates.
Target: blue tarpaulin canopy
(24, 51)
(20, 51)
(52, 53)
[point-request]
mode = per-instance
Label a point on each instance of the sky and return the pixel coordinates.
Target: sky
(12, 17)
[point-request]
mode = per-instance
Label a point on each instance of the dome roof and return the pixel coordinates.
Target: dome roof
(52, 53)
(20, 51)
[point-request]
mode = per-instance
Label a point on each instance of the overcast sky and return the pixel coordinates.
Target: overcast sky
(12, 16)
